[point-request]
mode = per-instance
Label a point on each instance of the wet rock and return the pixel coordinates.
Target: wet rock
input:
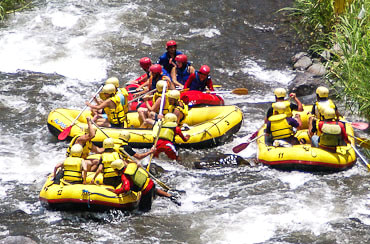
(221, 160)
(298, 56)
(325, 55)
(305, 84)
(317, 69)
(17, 240)
(303, 63)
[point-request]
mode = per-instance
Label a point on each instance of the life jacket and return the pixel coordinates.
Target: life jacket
(280, 128)
(167, 131)
(181, 106)
(85, 150)
(107, 159)
(72, 169)
(164, 60)
(197, 84)
(121, 150)
(183, 74)
(117, 115)
(139, 176)
(321, 105)
(330, 134)
(166, 102)
(158, 78)
(288, 110)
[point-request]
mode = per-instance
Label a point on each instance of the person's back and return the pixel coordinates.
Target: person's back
(323, 101)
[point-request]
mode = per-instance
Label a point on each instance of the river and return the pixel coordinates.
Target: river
(56, 55)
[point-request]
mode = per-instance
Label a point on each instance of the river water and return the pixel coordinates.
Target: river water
(56, 55)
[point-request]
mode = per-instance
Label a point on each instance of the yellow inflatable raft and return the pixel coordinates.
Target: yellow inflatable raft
(303, 156)
(209, 126)
(65, 196)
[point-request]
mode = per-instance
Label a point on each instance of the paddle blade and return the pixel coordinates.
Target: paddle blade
(360, 125)
(362, 142)
(254, 135)
(240, 91)
(64, 134)
(240, 147)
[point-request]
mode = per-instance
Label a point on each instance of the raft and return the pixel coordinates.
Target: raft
(207, 126)
(65, 196)
(198, 98)
(304, 157)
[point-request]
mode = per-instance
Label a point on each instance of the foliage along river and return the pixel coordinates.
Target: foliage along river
(56, 55)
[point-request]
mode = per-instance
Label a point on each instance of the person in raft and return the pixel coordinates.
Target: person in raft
(200, 80)
(177, 106)
(280, 126)
(145, 64)
(156, 74)
(167, 135)
(167, 60)
(126, 151)
(280, 94)
(135, 178)
(74, 167)
(115, 106)
(322, 101)
(330, 132)
(181, 71)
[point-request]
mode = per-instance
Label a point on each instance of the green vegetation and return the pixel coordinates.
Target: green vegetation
(11, 6)
(346, 37)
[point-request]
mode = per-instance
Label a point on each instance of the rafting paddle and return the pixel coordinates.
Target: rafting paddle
(362, 142)
(362, 157)
(237, 91)
(64, 134)
(244, 145)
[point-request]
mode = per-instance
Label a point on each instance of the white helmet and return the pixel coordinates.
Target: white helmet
(280, 92)
(125, 135)
(322, 91)
(109, 89)
(112, 80)
(76, 150)
(108, 143)
(160, 84)
(117, 164)
(175, 94)
(170, 117)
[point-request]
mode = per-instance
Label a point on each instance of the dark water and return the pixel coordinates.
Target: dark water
(57, 54)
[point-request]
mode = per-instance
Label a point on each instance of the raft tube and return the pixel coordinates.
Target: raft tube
(208, 126)
(304, 157)
(198, 98)
(70, 197)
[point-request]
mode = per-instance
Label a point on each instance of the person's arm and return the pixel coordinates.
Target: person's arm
(106, 103)
(174, 77)
(179, 132)
(128, 149)
(143, 86)
(299, 104)
(210, 84)
(297, 117)
(59, 165)
(268, 114)
(125, 185)
(98, 171)
(344, 133)
(84, 171)
(156, 105)
(189, 80)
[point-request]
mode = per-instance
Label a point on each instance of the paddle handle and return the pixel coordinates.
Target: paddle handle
(163, 99)
(133, 100)
(362, 157)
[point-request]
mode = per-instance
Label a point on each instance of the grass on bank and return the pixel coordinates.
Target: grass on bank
(11, 6)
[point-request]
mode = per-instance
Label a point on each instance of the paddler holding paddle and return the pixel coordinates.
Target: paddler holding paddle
(200, 80)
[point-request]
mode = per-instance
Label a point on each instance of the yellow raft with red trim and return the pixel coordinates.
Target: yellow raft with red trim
(304, 156)
(61, 195)
(208, 126)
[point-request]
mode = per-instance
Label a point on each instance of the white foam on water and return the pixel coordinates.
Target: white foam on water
(207, 32)
(295, 179)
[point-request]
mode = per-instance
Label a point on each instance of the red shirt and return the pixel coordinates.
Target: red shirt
(341, 125)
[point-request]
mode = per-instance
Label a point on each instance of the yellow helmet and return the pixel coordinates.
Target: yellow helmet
(109, 89)
(280, 107)
(175, 94)
(322, 91)
(112, 80)
(125, 135)
(160, 85)
(108, 143)
(170, 117)
(117, 164)
(76, 150)
(329, 113)
(280, 92)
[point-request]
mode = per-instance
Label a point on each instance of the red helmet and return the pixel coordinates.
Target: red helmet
(181, 58)
(156, 68)
(204, 69)
(145, 62)
(171, 43)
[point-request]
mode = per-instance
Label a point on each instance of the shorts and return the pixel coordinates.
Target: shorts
(168, 148)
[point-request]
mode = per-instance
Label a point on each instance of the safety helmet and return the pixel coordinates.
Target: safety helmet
(170, 43)
(322, 91)
(175, 94)
(108, 143)
(113, 80)
(76, 150)
(170, 117)
(125, 135)
(280, 92)
(156, 68)
(145, 62)
(160, 84)
(204, 69)
(329, 113)
(117, 164)
(109, 89)
(280, 107)
(182, 58)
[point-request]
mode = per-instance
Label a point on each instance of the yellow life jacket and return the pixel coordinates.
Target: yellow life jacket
(117, 115)
(166, 102)
(331, 135)
(167, 131)
(288, 110)
(280, 128)
(320, 106)
(181, 106)
(138, 175)
(85, 150)
(107, 159)
(72, 169)
(121, 150)
(124, 92)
